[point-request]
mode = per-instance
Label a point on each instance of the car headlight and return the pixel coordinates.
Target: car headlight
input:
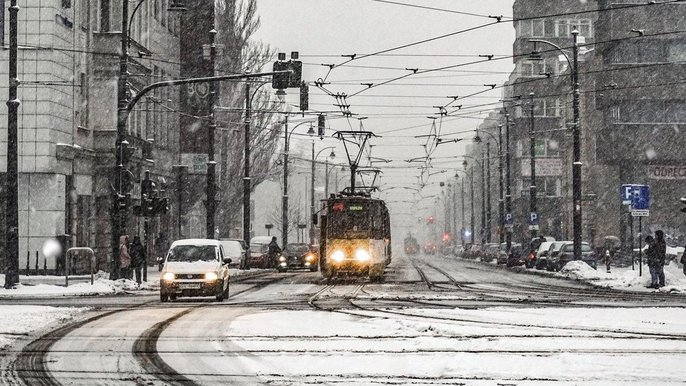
(282, 258)
(338, 256)
(169, 276)
(362, 255)
(309, 257)
(211, 276)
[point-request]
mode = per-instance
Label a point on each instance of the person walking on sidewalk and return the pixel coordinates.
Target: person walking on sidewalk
(651, 256)
(661, 249)
(137, 258)
(124, 257)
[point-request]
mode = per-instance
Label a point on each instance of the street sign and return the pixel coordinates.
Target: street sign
(509, 220)
(626, 193)
(640, 199)
(640, 213)
(533, 221)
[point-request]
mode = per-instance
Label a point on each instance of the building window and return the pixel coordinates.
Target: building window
(83, 99)
(545, 187)
(84, 10)
(533, 68)
(564, 27)
(649, 111)
(104, 15)
(164, 13)
(66, 3)
(531, 28)
(156, 9)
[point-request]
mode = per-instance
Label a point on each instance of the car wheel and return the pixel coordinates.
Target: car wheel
(220, 297)
(226, 291)
(313, 268)
(172, 297)
(164, 298)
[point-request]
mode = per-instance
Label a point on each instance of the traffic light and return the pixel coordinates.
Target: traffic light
(122, 201)
(296, 69)
(280, 81)
(161, 205)
(321, 125)
(304, 96)
(430, 220)
(683, 201)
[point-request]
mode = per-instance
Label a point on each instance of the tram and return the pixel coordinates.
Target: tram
(411, 245)
(355, 236)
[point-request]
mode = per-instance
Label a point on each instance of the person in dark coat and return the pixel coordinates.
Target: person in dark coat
(137, 257)
(652, 259)
(661, 249)
(273, 253)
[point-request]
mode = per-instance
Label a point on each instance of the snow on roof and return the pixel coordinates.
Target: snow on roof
(196, 242)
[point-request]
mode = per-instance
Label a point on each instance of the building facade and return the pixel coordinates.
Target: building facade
(68, 68)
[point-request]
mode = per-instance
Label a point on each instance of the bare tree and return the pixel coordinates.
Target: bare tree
(237, 24)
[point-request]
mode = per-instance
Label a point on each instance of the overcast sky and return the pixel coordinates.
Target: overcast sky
(323, 30)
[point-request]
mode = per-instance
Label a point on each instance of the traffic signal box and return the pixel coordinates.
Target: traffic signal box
(292, 79)
(151, 205)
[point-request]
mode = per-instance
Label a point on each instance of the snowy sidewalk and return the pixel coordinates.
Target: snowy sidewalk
(21, 321)
(624, 278)
(53, 286)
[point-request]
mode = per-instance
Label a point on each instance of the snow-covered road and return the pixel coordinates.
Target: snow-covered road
(435, 320)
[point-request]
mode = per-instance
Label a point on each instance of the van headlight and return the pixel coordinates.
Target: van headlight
(309, 257)
(338, 256)
(282, 258)
(362, 255)
(169, 276)
(211, 276)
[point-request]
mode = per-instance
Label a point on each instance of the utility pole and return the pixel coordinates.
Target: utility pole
(246, 170)
(471, 188)
(576, 167)
(12, 175)
(211, 186)
(483, 197)
(463, 212)
(312, 198)
(284, 197)
(508, 187)
(501, 203)
(532, 154)
(488, 192)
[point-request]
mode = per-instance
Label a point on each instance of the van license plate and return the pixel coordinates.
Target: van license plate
(189, 286)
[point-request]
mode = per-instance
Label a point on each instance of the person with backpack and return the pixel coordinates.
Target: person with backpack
(138, 256)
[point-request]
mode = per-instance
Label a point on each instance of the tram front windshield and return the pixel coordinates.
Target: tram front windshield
(349, 221)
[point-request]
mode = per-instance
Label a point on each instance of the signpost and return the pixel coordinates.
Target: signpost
(509, 222)
(533, 221)
(638, 199)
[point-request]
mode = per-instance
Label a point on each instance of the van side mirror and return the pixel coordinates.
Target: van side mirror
(315, 219)
(227, 260)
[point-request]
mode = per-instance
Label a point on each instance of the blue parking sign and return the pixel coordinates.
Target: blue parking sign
(640, 199)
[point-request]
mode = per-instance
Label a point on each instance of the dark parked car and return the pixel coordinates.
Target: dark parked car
(503, 253)
(517, 256)
(553, 251)
(566, 255)
(490, 252)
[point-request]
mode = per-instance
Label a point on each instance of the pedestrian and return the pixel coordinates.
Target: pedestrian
(161, 249)
(661, 247)
(124, 257)
(651, 256)
(683, 261)
(273, 252)
(137, 258)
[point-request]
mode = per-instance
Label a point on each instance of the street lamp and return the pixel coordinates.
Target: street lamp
(247, 180)
(576, 133)
(532, 163)
(314, 159)
(284, 199)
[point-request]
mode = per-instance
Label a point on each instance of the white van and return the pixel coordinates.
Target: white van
(195, 267)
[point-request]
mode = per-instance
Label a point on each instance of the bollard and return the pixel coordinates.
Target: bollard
(45, 265)
(28, 258)
(37, 272)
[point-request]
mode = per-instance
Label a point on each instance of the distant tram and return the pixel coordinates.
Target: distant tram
(355, 237)
(411, 245)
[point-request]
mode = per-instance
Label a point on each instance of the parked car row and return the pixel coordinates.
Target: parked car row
(542, 253)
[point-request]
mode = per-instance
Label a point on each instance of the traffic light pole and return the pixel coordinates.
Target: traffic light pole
(119, 213)
(246, 172)
(12, 175)
(211, 185)
(532, 153)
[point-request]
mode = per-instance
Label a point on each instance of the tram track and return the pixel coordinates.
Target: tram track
(30, 366)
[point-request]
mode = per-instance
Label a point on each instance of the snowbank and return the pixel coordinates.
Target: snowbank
(624, 278)
(101, 286)
(18, 321)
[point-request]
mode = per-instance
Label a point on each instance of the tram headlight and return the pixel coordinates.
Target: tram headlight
(282, 258)
(362, 255)
(169, 276)
(338, 256)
